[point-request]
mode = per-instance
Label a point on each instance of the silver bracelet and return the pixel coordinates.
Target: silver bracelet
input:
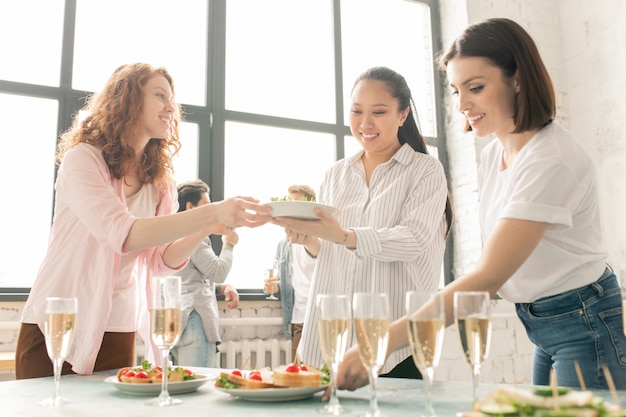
(345, 238)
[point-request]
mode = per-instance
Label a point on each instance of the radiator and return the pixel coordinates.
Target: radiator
(254, 353)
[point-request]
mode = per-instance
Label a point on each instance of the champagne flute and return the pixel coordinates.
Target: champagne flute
(271, 275)
(333, 323)
(472, 313)
(59, 333)
(426, 331)
(165, 328)
(371, 323)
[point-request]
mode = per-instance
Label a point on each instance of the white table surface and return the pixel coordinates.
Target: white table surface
(91, 396)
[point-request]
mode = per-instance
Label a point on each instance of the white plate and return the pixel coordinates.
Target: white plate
(273, 394)
(155, 389)
(302, 210)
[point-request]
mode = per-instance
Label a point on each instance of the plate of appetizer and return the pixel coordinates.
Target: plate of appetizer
(273, 394)
(541, 401)
(146, 380)
(285, 383)
(299, 209)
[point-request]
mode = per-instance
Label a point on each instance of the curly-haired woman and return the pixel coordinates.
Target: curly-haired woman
(115, 222)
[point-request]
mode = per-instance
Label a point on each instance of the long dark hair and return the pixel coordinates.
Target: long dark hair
(409, 131)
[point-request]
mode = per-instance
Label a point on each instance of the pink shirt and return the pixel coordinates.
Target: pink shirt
(90, 225)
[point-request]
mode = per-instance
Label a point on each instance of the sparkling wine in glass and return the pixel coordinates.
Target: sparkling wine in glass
(165, 328)
(59, 334)
(271, 276)
(472, 314)
(371, 324)
(426, 331)
(333, 324)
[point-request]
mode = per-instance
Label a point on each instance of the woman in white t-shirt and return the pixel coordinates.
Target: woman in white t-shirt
(539, 214)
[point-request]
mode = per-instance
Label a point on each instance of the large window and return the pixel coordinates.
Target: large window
(265, 85)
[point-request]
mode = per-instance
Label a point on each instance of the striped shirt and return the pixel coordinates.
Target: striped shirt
(400, 231)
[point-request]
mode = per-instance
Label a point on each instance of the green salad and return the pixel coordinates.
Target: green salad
(542, 402)
(287, 198)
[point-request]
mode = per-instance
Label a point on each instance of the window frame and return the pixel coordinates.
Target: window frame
(212, 118)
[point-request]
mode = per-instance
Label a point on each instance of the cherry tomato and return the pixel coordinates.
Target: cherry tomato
(142, 375)
(303, 367)
(255, 375)
(292, 368)
(237, 372)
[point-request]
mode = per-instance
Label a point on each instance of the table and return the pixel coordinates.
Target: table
(91, 396)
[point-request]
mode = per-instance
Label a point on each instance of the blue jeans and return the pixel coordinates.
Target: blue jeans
(584, 325)
(193, 349)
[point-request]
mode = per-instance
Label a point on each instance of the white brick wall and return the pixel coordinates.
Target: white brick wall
(583, 44)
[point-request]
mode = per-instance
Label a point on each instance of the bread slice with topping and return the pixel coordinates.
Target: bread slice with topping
(296, 376)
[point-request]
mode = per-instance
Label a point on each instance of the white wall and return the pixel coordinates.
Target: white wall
(583, 44)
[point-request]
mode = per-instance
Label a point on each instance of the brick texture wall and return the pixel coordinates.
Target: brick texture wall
(584, 47)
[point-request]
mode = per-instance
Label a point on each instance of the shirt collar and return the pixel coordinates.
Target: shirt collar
(402, 156)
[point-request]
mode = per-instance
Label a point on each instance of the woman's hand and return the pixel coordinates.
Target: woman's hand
(232, 238)
(310, 243)
(351, 374)
(240, 211)
(219, 229)
(327, 227)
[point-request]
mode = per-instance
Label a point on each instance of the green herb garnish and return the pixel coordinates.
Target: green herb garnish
(287, 198)
(224, 382)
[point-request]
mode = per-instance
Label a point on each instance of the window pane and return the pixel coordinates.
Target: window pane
(186, 162)
(31, 33)
(279, 58)
(26, 180)
(110, 33)
(350, 146)
(405, 47)
(262, 162)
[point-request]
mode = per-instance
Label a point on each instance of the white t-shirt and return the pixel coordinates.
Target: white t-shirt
(552, 180)
(123, 317)
(303, 265)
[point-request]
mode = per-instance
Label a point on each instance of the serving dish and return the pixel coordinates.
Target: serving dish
(302, 210)
(273, 394)
(155, 389)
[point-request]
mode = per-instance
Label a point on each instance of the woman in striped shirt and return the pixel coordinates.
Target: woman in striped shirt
(394, 212)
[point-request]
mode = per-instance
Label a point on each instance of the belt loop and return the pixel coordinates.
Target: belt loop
(598, 289)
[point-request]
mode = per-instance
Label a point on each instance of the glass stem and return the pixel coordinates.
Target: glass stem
(57, 366)
(475, 380)
(373, 375)
(429, 411)
(333, 401)
(165, 395)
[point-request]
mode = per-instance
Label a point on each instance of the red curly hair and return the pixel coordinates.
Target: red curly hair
(114, 115)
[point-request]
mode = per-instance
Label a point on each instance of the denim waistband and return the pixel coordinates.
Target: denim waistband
(606, 281)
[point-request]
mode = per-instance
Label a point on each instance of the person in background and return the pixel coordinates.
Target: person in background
(202, 278)
(295, 269)
(115, 223)
(539, 213)
(390, 234)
